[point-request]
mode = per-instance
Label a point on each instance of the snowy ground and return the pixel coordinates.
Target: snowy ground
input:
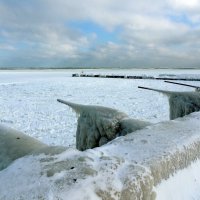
(28, 103)
(183, 185)
(28, 99)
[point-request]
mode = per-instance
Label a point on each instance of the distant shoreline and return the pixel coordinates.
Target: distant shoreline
(95, 68)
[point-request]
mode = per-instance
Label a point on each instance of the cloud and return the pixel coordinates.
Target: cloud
(7, 47)
(100, 33)
(186, 5)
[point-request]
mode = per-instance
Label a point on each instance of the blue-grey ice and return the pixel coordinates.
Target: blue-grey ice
(97, 125)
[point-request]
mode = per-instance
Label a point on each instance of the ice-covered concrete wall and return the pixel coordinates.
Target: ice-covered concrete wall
(15, 144)
(129, 167)
(147, 157)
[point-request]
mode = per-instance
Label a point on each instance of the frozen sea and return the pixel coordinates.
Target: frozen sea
(28, 103)
(28, 99)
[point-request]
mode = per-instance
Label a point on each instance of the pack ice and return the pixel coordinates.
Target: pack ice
(128, 167)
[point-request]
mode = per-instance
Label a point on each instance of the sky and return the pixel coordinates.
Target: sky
(100, 33)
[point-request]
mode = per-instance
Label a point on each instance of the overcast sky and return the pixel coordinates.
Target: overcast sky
(100, 33)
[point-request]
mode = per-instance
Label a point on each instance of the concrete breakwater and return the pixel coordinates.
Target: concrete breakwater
(127, 168)
(130, 167)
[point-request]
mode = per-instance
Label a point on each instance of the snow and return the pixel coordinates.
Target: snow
(137, 162)
(182, 185)
(28, 100)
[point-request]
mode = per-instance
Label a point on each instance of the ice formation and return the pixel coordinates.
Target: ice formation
(15, 144)
(98, 125)
(181, 103)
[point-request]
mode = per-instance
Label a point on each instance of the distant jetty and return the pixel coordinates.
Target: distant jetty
(167, 77)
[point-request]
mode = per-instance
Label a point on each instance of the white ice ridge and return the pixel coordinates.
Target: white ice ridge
(128, 167)
(97, 125)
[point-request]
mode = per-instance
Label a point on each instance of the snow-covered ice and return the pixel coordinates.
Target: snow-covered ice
(28, 100)
(28, 103)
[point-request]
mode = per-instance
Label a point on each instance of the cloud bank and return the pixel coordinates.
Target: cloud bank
(99, 33)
